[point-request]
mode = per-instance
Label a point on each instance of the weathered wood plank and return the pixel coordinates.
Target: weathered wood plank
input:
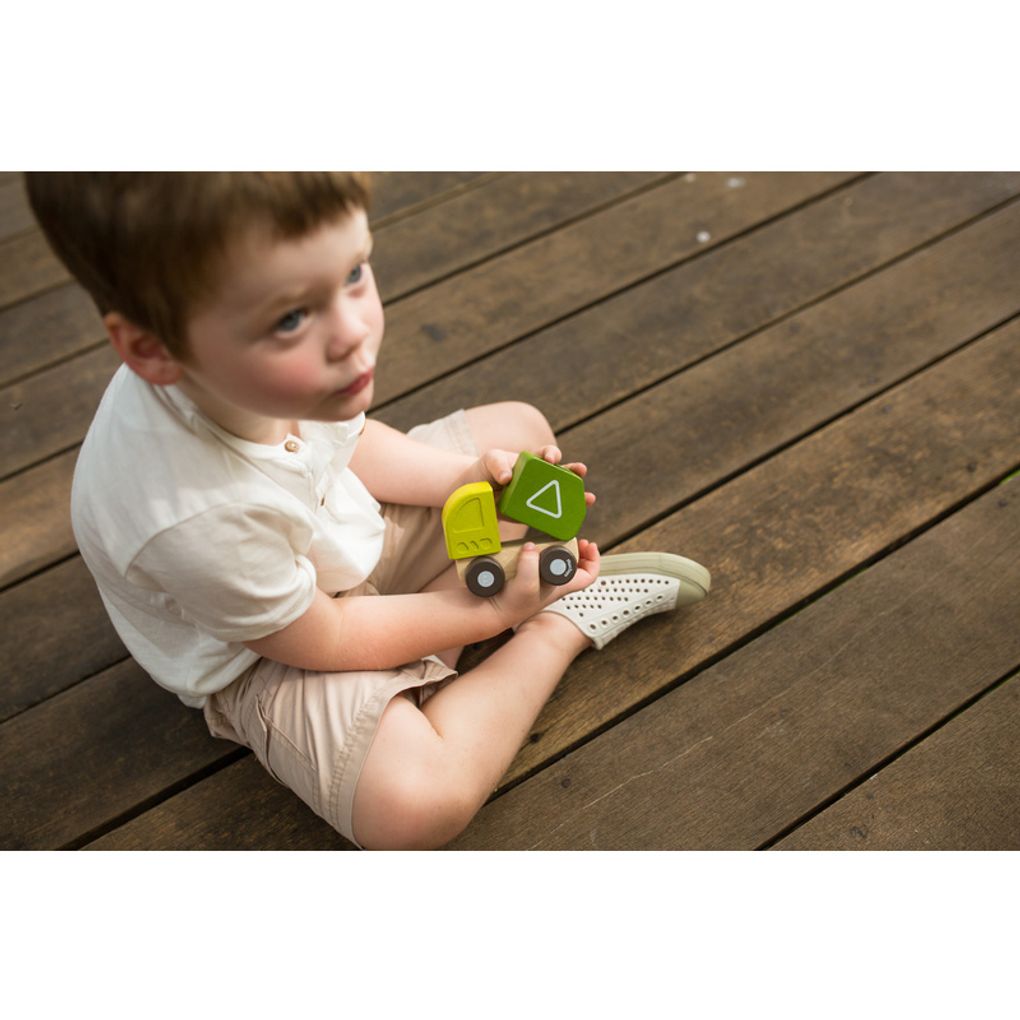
(473, 314)
(404, 193)
(93, 752)
(746, 747)
(15, 215)
(788, 380)
(55, 633)
(956, 790)
(787, 529)
(27, 267)
(47, 328)
(37, 505)
(51, 411)
(513, 208)
(238, 808)
(601, 355)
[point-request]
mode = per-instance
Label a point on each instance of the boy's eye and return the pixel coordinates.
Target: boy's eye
(355, 274)
(291, 321)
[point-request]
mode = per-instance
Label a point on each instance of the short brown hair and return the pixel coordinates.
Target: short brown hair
(151, 245)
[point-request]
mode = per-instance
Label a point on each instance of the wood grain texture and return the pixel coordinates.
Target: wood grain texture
(956, 790)
(797, 523)
(238, 808)
(789, 379)
(484, 221)
(27, 267)
(603, 354)
(51, 411)
(55, 633)
(745, 748)
(46, 329)
(396, 194)
(501, 301)
(15, 214)
(93, 752)
(38, 507)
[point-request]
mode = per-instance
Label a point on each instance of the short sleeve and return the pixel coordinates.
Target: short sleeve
(240, 573)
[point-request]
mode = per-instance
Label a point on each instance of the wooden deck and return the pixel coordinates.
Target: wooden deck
(808, 382)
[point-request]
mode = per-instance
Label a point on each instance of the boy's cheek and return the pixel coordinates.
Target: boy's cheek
(291, 377)
(263, 369)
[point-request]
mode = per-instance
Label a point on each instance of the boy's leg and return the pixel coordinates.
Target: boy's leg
(429, 770)
(510, 425)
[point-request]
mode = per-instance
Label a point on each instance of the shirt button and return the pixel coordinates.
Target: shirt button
(292, 446)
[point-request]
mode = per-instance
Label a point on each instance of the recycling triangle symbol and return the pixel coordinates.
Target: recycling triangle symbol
(549, 502)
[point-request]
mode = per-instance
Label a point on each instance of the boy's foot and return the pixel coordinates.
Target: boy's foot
(631, 586)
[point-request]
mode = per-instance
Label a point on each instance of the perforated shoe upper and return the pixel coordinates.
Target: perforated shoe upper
(631, 586)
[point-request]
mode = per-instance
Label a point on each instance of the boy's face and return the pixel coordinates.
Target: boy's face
(292, 333)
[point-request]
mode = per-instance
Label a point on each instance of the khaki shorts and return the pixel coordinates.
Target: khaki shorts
(312, 731)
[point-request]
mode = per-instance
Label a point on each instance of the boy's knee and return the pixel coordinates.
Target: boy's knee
(511, 425)
(534, 422)
(414, 814)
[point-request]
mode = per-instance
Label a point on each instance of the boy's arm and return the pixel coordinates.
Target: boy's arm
(385, 631)
(379, 631)
(397, 469)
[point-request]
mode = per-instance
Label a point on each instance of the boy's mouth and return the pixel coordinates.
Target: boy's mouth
(358, 385)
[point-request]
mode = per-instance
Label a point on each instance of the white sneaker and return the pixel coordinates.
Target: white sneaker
(631, 586)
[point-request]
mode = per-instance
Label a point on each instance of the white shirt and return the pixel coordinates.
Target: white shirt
(200, 541)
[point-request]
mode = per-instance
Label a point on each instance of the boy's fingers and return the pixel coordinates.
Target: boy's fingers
(552, 454)
(527, 564)
(499, 466)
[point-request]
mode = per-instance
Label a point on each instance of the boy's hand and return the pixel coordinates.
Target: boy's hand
(497, 466)
(525, 594)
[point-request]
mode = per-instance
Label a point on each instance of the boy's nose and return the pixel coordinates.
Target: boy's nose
(347, 332)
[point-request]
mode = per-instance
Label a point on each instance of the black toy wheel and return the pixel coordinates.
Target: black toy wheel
(556, 565)
(484, 577)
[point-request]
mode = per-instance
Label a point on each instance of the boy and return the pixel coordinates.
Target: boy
(272, 556)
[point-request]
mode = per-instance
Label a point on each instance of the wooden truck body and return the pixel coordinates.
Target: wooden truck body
(542, 495)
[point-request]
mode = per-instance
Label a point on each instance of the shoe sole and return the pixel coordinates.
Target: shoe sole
(683, 569)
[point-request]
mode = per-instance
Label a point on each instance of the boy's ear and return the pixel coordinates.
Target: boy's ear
(143, 352)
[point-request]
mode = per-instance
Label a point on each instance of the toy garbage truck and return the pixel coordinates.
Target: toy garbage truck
(544, 496)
